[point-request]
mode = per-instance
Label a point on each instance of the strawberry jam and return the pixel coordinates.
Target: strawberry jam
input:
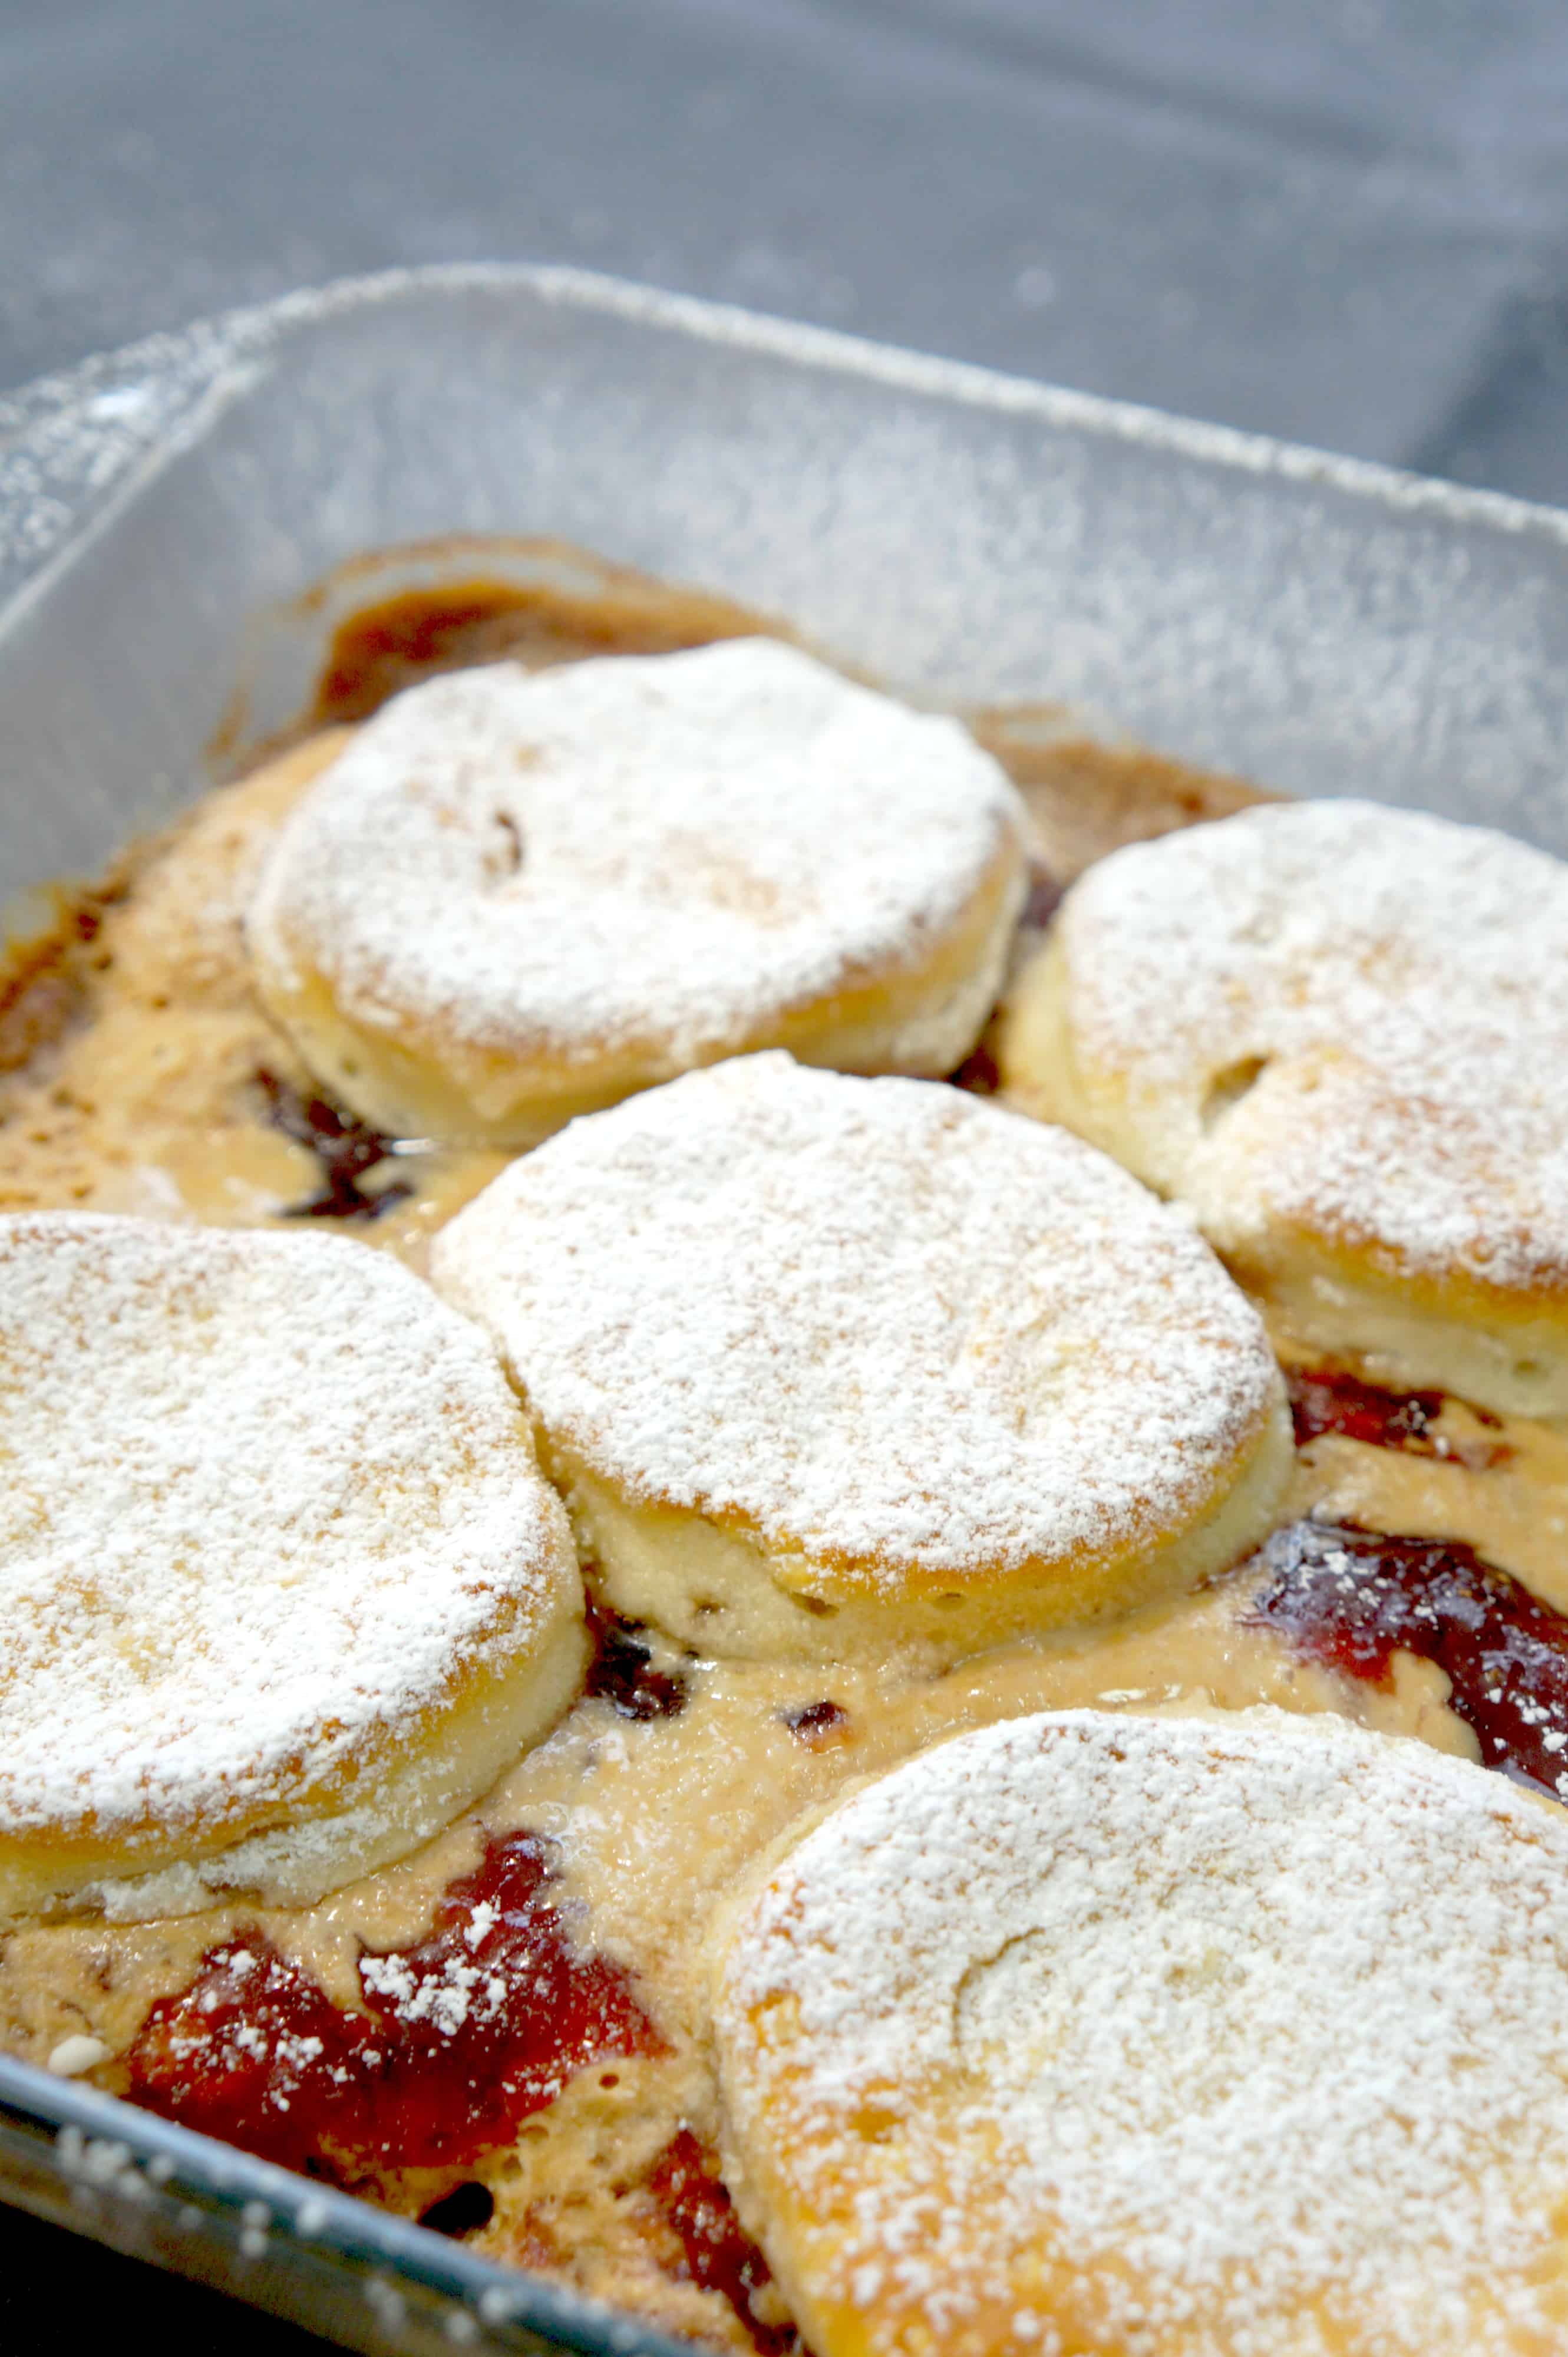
(818, 1723)
(977, 1073)
(345, 1147)
(621, 1672)
(1327, 1399)
(720, 2255)
(1351, 1598)
(1045, 898)
(461, 2038)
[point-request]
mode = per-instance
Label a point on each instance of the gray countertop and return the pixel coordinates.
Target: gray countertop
(1345, 223)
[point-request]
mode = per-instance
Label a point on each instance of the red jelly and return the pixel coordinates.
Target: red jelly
(1324, 1399)
(978, 1074)
(345, 1147)
(720, 2255)
(818, 1723)
(462, 2037)
(1351, 1598)
(1327, 1399)
(621, 1672)
(1045, 898)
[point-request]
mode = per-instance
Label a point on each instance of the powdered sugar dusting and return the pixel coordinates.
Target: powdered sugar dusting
(266, 1497)
(877, 1319)
(650, 850)
(1390, 989)
(1218, 2037)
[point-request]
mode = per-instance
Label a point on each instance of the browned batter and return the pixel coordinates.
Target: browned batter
(137, 1073)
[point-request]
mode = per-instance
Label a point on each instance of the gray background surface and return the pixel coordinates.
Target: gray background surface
(1343, 220)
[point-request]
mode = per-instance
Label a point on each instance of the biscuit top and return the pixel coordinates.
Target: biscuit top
(1247, 2027)
(266, 1497)
(636, 850)
(1347, 1016)
(879, 1322)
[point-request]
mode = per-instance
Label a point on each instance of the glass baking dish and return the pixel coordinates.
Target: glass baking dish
(1317, 625)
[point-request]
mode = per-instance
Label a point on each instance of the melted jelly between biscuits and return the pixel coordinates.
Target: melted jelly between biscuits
(1352, 1598)
(460, 2038)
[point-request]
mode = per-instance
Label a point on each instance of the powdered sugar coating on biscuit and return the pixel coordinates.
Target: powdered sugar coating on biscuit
(267, 1499)
(1340, 1016)
(879, 1322)
(1185, 2036)
(631, 853)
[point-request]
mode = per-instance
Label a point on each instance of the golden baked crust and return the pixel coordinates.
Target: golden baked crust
(516, 898)
(282, 1587)
(1106, 2034)
(1336, 1032)
(826, 1366)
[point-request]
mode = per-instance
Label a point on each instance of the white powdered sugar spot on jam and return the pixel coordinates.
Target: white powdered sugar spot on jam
(635, 850)
(266, 1499)
(1384, 994)
(879, 1320)
(1252, 2034)
(460, 1992)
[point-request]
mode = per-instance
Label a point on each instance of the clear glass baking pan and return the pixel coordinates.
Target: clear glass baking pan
(1316, 625)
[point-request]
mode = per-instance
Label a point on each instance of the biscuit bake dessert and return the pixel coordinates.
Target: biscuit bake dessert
(827, 1704)
(518, 896)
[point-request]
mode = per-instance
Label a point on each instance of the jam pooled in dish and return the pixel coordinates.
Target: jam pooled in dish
(719, 2255)
(460, 2039)
(1330, 1400)
(621, 1670)
(1327, 1399)
(346, 1148)
(1352, 1598)
(819, 1723)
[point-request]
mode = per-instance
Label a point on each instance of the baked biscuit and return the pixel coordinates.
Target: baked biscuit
(1181, 2038)
(520, 896)
(1340, 1034)
(826, 1366)
(282, 1587)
